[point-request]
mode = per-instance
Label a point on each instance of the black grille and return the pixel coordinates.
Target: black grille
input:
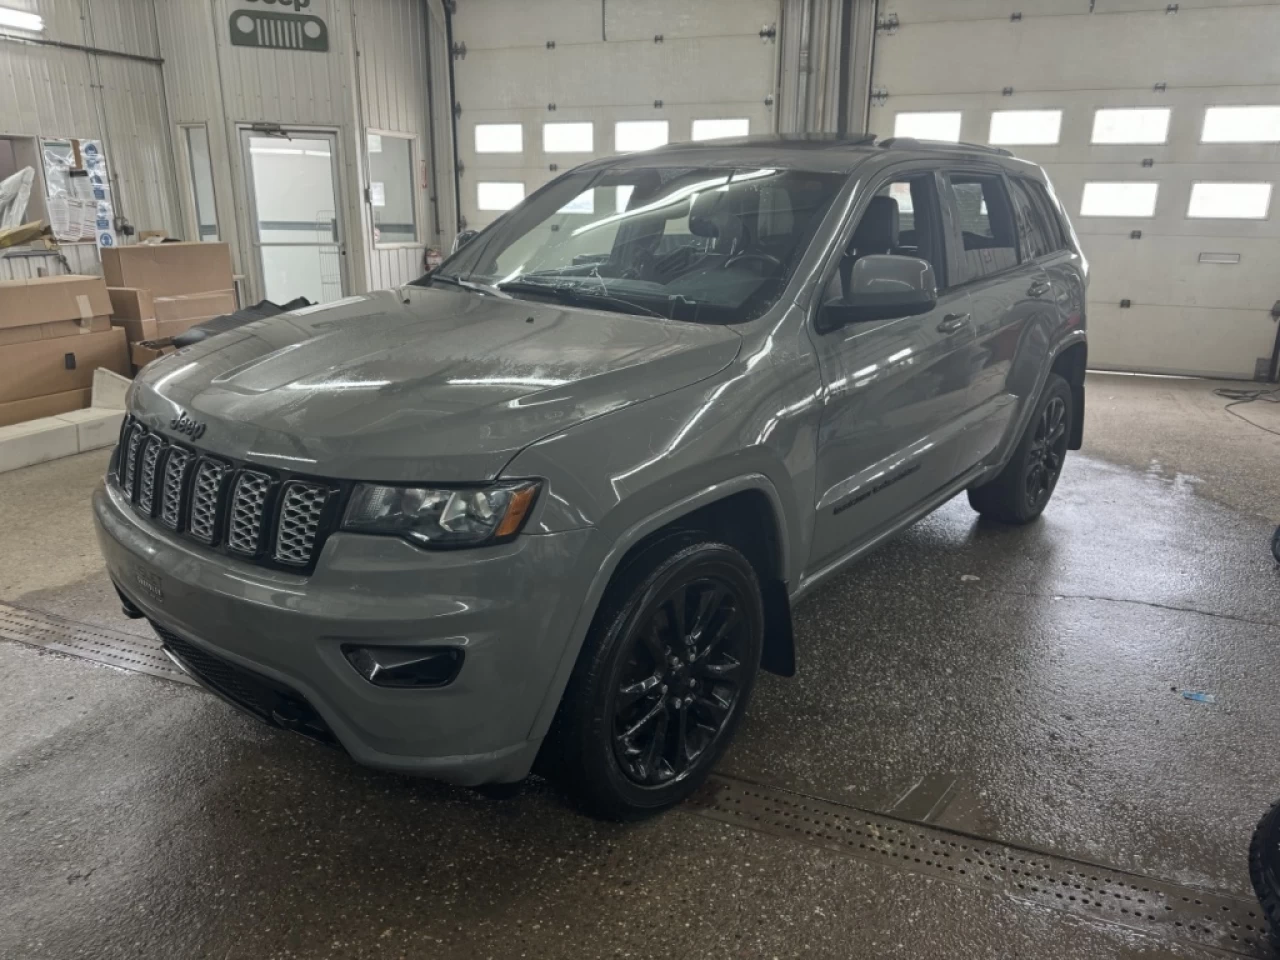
(300, 513)
(175, 481)
(269, 701)
(270, 518)
(248, 503)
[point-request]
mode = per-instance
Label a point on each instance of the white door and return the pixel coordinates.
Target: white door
(545, 86)
(1176, 218)
(295, 217)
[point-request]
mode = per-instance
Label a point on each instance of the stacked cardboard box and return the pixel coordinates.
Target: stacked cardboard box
(160, 290)
(54, 332)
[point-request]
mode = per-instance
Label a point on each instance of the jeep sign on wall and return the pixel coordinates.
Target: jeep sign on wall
(279, 25)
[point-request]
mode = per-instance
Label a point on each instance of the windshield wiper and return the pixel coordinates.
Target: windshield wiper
(572, 293)
(468, 285)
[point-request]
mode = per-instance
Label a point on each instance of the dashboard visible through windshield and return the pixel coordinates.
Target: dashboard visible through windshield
(711, 245)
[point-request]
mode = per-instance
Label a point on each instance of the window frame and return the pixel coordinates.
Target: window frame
(843, 235)
(192, 216)
(1019, 195)
(418, 208)
(956, 260)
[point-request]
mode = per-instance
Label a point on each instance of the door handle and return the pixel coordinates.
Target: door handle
(1038, 289)
(953, 322)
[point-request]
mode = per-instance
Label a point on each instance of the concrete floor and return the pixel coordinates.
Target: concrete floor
(1035, 673)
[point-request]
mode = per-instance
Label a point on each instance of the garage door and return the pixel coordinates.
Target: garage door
(1159, 124)
(546, 86)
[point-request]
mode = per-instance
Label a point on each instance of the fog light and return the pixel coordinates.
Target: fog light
(405, 666)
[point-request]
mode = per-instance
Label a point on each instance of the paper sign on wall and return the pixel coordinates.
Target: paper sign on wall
(378, 193)
(79, 191)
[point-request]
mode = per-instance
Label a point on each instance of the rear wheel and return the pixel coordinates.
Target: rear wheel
(1022, 489)
(662, 680)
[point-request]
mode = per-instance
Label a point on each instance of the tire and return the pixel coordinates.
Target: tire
(1264, 869)
(1021, 491)
(651, 706)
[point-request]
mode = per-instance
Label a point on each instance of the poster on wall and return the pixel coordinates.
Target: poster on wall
(78, 191)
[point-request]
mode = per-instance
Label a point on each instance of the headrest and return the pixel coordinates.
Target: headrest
(878, 231)
(710, 216)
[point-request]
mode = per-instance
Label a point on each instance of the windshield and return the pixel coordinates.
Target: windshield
(711, 245)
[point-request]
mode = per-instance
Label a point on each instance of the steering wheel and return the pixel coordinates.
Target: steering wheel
(768, 258)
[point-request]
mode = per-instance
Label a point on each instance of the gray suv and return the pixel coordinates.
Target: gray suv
(553, 503)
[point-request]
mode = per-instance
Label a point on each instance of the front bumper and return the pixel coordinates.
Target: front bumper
(511, 608)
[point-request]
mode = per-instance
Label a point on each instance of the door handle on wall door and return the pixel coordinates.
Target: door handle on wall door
(953, 322)
(1038, 289)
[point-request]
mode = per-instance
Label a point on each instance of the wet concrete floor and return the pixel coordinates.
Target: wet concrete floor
(1024, 685)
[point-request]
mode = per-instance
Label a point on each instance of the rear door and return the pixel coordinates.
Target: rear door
(1010, 294)
(895, 389)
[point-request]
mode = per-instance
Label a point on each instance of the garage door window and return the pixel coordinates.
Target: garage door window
(986, 225)
(632, 135)
(934, 125)
(1230, 201)
(499, 138)
(1119, 199)
(498, 195)
(567, 138)
(714, 129)
(1131, 125)
(1025, 127)
(1241, 125)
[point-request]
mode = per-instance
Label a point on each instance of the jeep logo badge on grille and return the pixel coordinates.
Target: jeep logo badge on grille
(184, 424)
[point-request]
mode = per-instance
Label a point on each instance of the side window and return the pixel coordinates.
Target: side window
(902, 218)
(1033, 233)
(986, 224)
(1057, 230)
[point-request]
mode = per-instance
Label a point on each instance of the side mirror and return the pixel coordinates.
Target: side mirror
(462, 239)
(881, 287)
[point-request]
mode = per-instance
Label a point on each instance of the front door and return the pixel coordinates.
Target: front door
(895, 389)
(296, 224)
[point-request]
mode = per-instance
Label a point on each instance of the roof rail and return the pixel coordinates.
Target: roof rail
(913, 143)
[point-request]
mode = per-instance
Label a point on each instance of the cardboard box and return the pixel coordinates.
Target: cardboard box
(131, 303)
(195, 305)
(20, 411)
(50, 299)
(135, 330)
(169, 269)
(42, 367)
(51, 331)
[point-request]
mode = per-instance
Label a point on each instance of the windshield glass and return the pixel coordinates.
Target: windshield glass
(711, 245)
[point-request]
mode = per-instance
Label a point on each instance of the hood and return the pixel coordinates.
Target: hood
(419, 384)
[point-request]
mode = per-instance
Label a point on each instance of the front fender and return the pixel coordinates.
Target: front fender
(635, 471)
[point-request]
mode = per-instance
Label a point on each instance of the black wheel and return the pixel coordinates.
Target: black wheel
(1022, 489)
(662, 680)
(1264, 869)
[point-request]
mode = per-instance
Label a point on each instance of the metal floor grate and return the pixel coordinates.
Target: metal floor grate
(1164, 910)
(123, 650)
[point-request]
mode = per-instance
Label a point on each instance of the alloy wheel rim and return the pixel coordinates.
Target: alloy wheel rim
(1048, 450)
(681, 683)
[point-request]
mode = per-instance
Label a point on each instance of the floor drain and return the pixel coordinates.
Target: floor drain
(1086, 890)
(123, 650)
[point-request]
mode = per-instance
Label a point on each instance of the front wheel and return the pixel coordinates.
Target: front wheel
(1022, 489)
(662, 681)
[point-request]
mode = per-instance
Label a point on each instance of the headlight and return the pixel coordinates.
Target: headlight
(442, 517)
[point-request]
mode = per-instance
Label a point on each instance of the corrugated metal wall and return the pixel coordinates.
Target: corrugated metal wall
(391, 36)
(69, 93)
